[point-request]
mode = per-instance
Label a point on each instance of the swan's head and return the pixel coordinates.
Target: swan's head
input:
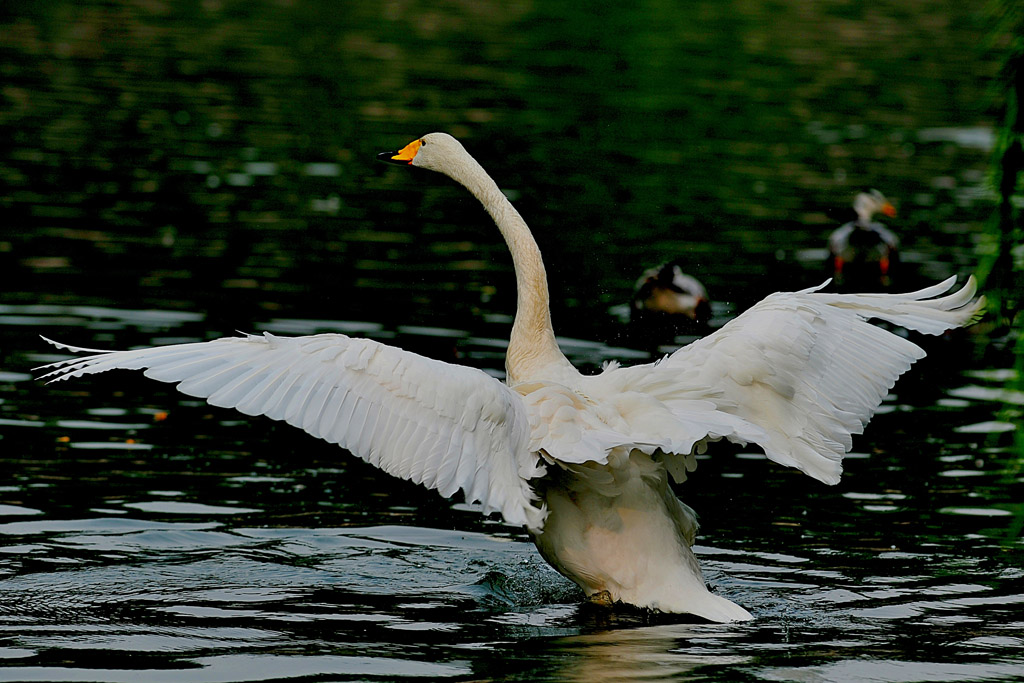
(867, 204)
(434, 151)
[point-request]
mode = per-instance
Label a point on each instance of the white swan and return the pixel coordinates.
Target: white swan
(582, 461)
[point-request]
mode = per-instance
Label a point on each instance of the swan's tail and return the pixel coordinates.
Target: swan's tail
(716, 608)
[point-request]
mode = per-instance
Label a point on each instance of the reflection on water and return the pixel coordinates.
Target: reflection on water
(668, 652)
(223, 555)
(177, 171)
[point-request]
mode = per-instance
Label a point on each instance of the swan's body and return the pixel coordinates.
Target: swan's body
(864, 253)
(582, 461)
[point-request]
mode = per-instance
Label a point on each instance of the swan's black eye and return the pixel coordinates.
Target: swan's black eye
(423, 142)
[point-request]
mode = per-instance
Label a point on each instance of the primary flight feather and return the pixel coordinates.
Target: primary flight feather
(583, 462)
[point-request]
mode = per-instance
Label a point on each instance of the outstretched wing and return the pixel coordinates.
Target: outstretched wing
(805, 368)
(448, 427)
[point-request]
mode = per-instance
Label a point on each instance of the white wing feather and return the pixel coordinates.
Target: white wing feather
(447, 427)
(798, 374)
(804, 369)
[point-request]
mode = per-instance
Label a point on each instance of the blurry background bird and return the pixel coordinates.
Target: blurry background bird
(863, 254)
(668, 302)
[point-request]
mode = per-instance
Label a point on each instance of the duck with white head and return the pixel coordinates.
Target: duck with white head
(864, 254)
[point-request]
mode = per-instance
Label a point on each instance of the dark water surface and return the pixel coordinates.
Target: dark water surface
(176, 171)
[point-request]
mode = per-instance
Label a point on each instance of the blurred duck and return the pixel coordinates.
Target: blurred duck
(862, 253)
(666, 290)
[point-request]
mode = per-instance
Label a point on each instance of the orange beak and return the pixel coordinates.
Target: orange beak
(402, 156)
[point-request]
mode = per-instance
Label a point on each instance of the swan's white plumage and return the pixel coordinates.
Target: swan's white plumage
(445, 426)
(582, 461)
(806, 367)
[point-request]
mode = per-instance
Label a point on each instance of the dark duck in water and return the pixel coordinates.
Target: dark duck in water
(666, 302)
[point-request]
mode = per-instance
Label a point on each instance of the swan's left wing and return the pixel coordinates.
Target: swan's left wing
(447, 427)
(805, 369)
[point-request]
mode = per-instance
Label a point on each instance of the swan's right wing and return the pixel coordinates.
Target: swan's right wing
(805, 370)
(445, 426)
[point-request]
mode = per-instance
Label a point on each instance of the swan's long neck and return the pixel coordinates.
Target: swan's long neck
(532, 349)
